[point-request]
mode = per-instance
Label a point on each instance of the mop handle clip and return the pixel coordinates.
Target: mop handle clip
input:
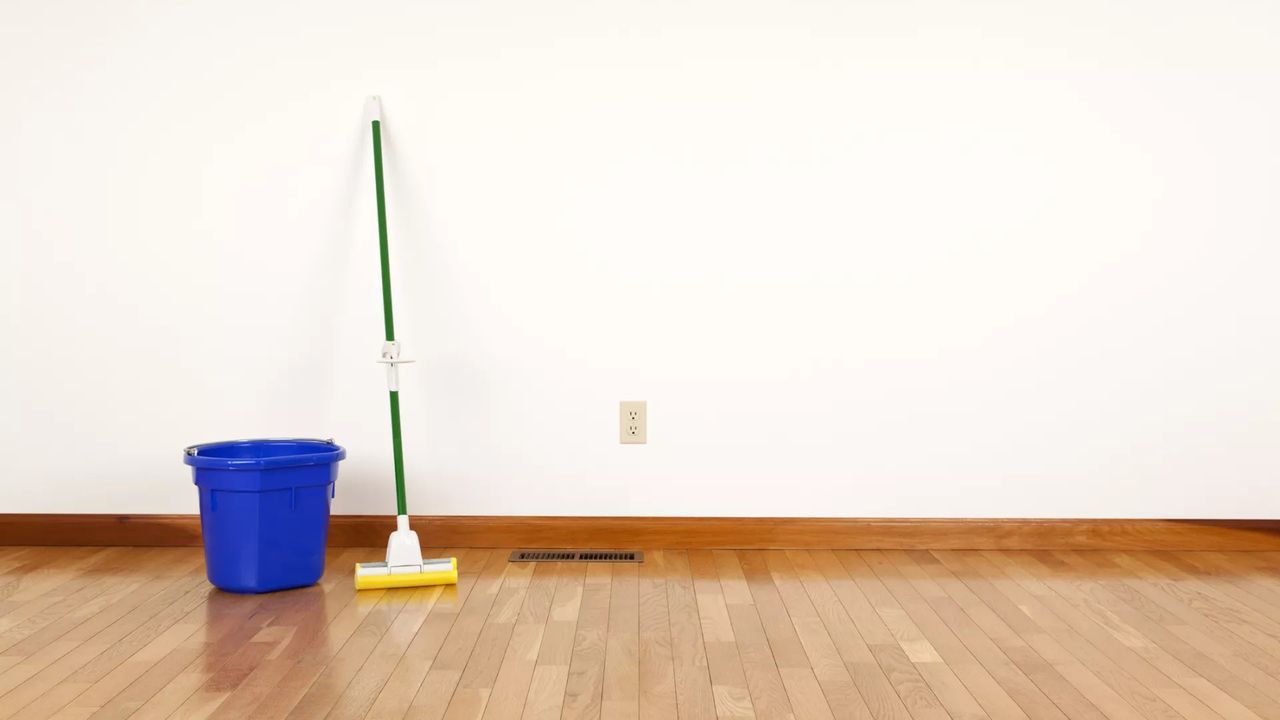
(391, 358)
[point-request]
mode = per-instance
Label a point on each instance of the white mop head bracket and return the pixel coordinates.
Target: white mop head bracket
(404, 555)
(391, 358)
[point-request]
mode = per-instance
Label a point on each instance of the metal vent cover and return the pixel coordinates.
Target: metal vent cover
(574, 555)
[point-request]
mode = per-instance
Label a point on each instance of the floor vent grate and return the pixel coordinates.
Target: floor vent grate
(606, 556)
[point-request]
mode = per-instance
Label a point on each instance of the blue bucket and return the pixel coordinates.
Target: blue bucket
(264, 510)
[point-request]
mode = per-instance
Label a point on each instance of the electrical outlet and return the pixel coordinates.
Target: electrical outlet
(633, 422)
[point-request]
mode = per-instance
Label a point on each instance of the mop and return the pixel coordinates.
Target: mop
(404, 566)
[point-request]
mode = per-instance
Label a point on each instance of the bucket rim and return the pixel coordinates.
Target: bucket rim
(324, 451)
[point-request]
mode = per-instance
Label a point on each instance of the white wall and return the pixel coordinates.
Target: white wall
(868, 258)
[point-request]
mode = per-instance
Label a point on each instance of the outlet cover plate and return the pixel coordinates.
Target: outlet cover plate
(633, 422)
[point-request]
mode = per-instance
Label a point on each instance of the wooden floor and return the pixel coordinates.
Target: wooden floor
(138, 632)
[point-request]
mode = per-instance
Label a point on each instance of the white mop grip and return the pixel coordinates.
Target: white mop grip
(373, 108)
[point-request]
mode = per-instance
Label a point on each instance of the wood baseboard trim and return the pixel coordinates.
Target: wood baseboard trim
(688, 532)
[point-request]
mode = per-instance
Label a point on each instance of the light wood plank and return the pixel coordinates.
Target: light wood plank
(1033, 644)
(724, 664)
(326, 673)
(173, 591)
(1072, 654)
(198, 637)
(694, 697)
(898, 669)
(868, 676)
(585, 685)
(103, 578)
(512, 684)
(620, 696)
(657, 669)
(368, 681)
(924, 657)
(998, 686)
(889, 635)
(1213, 683)
(545, 698)
(1160, 674)
(768, 693)
(471, 695)
(396, 695)
(985, 633)
(788, 652)
(828, 667)
(436, 691)
(1147, 589)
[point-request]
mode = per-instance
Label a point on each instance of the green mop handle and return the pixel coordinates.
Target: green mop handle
(393, 388)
